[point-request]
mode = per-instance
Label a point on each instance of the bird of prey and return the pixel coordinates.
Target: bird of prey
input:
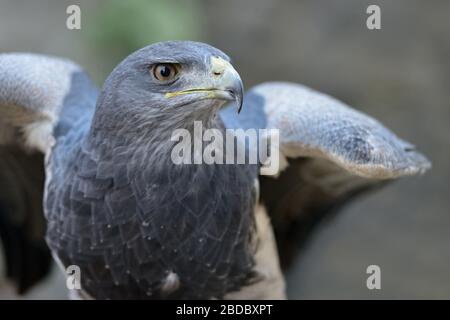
(97, 166)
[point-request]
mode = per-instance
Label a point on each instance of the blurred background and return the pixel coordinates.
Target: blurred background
(399, 74)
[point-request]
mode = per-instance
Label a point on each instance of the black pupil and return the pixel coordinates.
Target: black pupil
(164, 71)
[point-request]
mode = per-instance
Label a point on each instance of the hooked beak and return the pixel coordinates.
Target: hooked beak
(236, 90)
(224, 83)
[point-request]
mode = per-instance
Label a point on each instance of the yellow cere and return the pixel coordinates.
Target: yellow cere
(218, 66)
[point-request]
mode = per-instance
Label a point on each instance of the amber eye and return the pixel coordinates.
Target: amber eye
(165, 71)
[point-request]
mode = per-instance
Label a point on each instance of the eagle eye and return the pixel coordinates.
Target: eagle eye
(165, 71)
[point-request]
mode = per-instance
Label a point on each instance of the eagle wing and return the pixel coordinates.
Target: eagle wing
(40, 96)
(330, 152)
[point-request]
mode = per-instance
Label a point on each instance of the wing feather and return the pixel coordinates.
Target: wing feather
(333, 153)
(312, 124)
(40, 97)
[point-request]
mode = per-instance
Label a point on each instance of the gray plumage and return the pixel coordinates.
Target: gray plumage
(140, 226)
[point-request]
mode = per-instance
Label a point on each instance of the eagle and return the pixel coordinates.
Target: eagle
(87, 176)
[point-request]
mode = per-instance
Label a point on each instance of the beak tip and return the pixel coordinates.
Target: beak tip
(239, 105)
(232, 82)
(239, 95)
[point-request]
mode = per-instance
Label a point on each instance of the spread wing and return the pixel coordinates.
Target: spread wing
(332, 153)
(40, 96)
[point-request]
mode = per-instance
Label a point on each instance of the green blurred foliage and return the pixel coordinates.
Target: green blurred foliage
(125, 26)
